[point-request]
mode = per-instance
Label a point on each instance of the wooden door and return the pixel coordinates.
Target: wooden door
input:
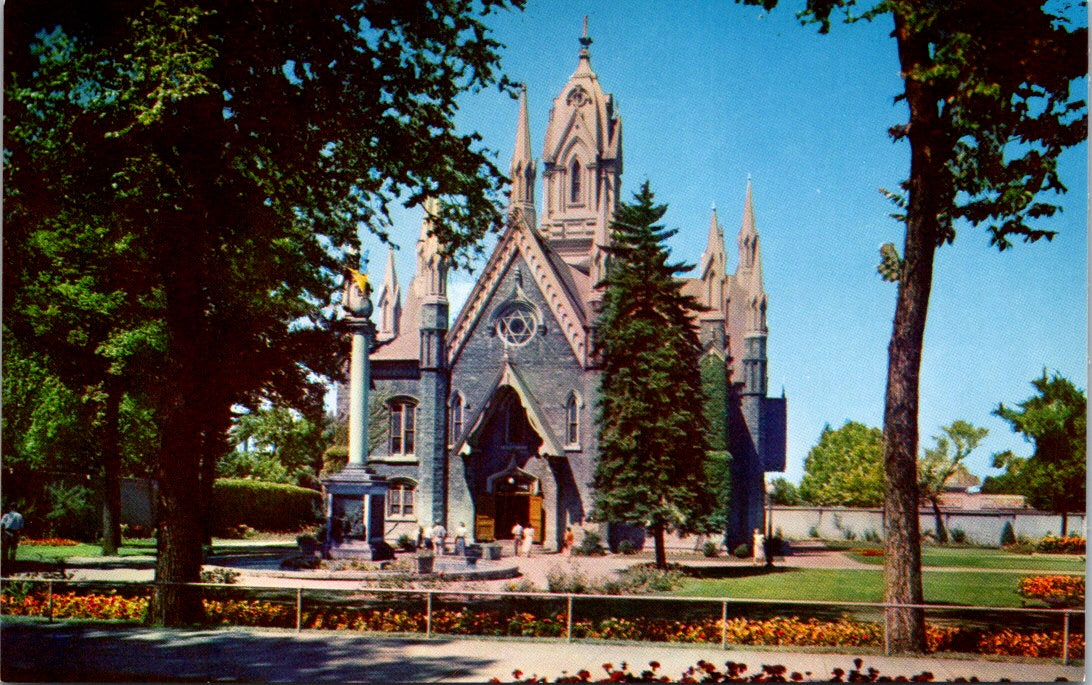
(537, 520)
(485, 519)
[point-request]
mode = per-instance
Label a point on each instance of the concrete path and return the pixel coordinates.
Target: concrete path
(57, 652)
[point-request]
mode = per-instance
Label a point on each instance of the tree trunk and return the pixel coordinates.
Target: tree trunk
(902, 544)
(111, 472)
(942, 534)
(661, 551)
(180, 531)
(1065, 524)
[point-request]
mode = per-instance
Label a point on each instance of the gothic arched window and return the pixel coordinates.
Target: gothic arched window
(402, 425)
(456, 416)
(572, 419)
(574, 182)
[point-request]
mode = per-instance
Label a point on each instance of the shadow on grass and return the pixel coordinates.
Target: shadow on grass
(732, 571)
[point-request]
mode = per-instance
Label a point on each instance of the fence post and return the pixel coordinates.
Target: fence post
(724, 624)
(886, 641)
(1065, 639)
(49, 600)
(428, 615)
(299, 607)
(569, 621)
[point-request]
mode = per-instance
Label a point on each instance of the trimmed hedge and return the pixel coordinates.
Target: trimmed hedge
(263, 506)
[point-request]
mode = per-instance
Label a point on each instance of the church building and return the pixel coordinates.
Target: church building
(492, 414)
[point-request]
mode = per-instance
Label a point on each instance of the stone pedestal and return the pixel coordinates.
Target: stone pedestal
(355, 499)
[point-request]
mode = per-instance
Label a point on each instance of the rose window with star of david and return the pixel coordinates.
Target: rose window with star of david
(517, 325)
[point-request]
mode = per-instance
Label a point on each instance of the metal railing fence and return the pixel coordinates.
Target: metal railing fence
(571, 601)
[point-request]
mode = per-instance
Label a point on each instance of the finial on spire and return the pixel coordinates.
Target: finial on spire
(585, 40)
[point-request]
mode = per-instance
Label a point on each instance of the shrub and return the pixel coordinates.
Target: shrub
(1008, 535)
(571, 582)
(626, 547)
(871, 535)
(710, 549)
(74, 511)
(1054, 590)
(1070, 544)
(590, 546)
(958, 536)
(263, 506)
(406, 543)
(813, 532)
(222, 576)
(743, 551)
(848, 534)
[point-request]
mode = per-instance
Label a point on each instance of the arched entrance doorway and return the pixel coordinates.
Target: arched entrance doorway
(511, 495)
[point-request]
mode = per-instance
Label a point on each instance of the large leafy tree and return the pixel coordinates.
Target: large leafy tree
(219, 155)
(1055, 420)
(845, 468)
(944, 460)
(988, 89)
(652, 454)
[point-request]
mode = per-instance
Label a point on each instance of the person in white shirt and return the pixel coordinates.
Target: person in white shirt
(460, 539)
(528, 538)
(12, 526)
(439, 538)
(517, 539)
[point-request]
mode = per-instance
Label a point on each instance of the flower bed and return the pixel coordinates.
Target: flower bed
(781, 631)
(48, 542)
(1054, 590)
(1069, 544)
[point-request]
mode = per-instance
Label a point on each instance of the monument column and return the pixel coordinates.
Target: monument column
(354, 510)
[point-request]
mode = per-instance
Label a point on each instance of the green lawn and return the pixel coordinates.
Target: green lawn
(129, 548)
(863, 585)
(974, 557)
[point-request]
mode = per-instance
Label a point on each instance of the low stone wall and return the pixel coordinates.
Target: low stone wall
(981, 527)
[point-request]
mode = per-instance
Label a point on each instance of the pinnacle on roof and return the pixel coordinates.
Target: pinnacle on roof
(390, 301)
(523, 135)
(584, 68)
(748, 226)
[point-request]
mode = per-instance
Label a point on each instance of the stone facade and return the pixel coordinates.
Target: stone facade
(492, 418)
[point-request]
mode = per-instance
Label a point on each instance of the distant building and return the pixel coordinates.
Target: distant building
(492, 419)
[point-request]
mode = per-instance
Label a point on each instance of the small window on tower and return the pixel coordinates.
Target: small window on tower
(572, 420)
(574, 182)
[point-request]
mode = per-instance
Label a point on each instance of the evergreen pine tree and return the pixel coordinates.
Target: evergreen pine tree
(652, 437)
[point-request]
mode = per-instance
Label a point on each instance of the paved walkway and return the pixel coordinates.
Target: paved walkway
(67, 652)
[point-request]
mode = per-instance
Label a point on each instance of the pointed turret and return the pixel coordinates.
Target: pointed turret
(390, 302)
(750, 252)
(582, 167)
(713, 267)
(431, 279)
(522, 201)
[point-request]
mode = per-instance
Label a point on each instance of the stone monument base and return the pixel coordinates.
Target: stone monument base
(355, 501)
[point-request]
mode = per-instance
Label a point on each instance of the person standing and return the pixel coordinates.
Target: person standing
(439, 538)
(517, 538)
(12, 526)
(427, 534)
(758, 548)
(570, 539)
(460, 539)
(528, 539)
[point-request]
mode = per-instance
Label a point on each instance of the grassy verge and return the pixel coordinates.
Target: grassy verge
(974, 557)
(49, 553)
(858, 585)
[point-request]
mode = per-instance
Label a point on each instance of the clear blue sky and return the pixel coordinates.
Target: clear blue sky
(710, 92)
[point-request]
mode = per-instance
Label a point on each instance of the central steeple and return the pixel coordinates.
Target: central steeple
(582, 167)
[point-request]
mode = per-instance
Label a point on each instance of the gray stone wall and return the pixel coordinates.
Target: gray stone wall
(982, 527)
(548, 366)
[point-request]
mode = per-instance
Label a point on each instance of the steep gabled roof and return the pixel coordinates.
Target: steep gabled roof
(510, 377)
(554, 279)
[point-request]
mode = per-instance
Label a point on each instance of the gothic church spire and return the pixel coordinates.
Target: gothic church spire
(522, 200)
(390, 302)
